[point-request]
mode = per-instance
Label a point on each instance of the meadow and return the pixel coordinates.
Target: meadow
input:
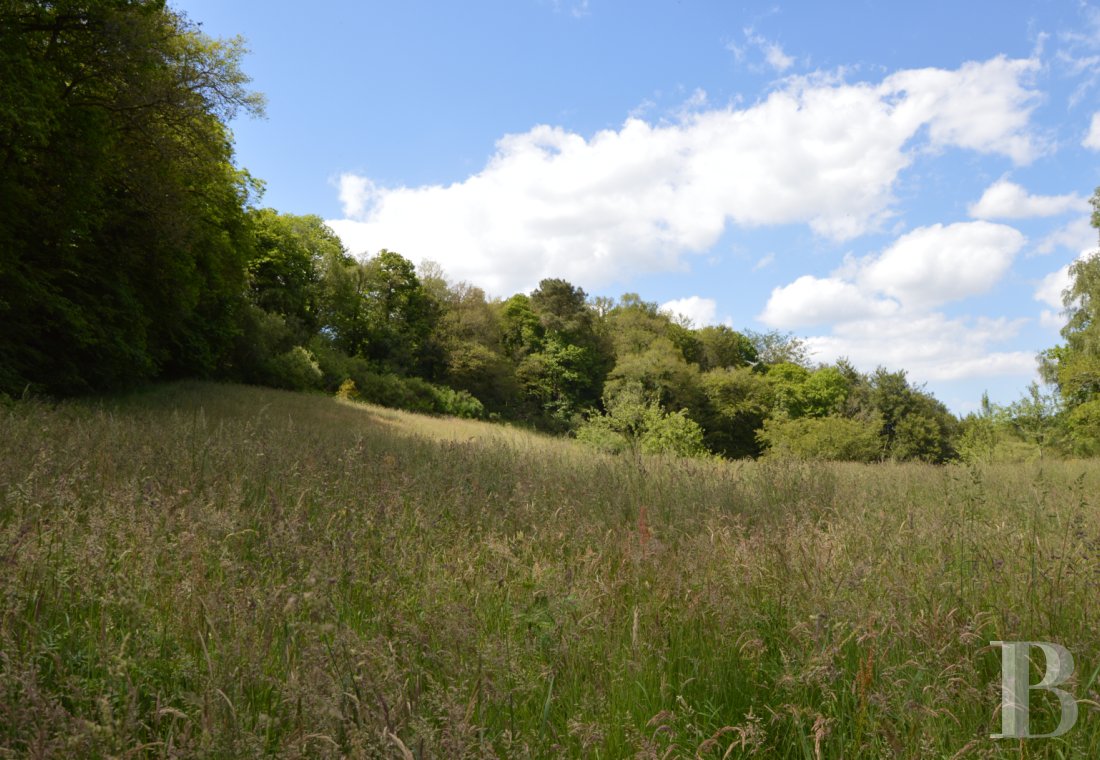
(219, 571)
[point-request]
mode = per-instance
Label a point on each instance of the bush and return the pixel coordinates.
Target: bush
(412, 394)
(598, 433)
(823, 438)
(634, 423)
(672, 433)
(458, 403)
(263, 337)
(294, 370)
(347, 390)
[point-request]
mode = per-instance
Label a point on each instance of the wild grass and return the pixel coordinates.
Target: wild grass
(221, 571)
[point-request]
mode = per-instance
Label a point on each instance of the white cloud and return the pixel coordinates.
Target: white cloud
(772, 51)
(1049, 290)
(1051, 319)
(356, 194)
(1078, 235)
(880, 308)
(764, 262)
(1078, 54)
(1092, 139)
(701, 311)
(813, 301)
(638, 199)
(777, 59)
(935, 265)
(930, 347)
(981, 106)
(1007, 200)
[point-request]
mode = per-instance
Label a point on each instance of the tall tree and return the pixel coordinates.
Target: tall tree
(286, 265)
(1074, 366)
(122, 230)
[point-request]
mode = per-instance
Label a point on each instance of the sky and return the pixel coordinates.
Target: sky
(902, 184)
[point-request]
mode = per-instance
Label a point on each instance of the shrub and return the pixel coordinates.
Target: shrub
(823, 438)
(347, 390)
(294, 370)
(634, 423)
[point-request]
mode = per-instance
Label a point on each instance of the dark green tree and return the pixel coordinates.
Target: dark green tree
(123, 233)
(724, 347)
(287, 263)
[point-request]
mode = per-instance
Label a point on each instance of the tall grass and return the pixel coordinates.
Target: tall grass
(222, 571)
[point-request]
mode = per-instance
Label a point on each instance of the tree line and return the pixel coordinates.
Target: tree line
(132, 249)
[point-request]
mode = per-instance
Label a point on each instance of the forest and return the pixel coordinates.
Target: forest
(134, 250)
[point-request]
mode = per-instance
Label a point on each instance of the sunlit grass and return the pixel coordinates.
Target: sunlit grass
(226, 571)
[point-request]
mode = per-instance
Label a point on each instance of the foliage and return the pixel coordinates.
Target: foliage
(829, 439)
(725, 348)
(294, 370)
(1035, 418)
(978, 434)
(123, 233)
(638, 424)
(347, 390)
(285, 270)
(774, 347)
(737, 403)
(1074, 366)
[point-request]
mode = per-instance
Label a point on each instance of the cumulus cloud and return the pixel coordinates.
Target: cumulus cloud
(700, 311)
(981, 106)
(935, 265)
(1050, 288)
(1007, 200)
(812, 301)
(1078, 235)
(881, 308)
(922, 269)
(1092, 139)
(641, 198)
(930, 347)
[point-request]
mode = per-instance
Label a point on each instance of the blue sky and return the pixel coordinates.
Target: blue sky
(900, 183)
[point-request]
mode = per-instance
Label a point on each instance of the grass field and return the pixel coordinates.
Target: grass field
(220, 571)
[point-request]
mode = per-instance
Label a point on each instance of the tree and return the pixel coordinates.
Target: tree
(287, 263)
(123, 234)
(469, 336)
(737, 403)
(379, 310)
(520, 329)
(557, 379)
(1074, 366)
(637, 423)
(724, 347)
(823, 438)
(566, 374)
(915, 426)
(1034, 417)
(563, 308)
(661, 371)
(774, 347)
(788, 383)
(826, 392)
(978, 433)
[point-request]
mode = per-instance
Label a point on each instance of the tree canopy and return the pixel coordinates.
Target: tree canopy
(123, 230)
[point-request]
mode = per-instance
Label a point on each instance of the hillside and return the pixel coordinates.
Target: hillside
(227, 571)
